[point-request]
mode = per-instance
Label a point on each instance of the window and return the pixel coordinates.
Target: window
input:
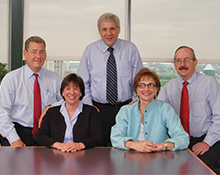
(157, 29)
(4, 30)
(68, 26)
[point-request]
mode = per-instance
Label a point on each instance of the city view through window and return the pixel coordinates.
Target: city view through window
(165, 71)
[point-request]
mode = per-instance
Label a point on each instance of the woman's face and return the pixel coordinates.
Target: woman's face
(146, 89)
(71, 93)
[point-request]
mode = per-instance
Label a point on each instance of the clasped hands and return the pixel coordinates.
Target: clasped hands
(144, 146)
(68, 147)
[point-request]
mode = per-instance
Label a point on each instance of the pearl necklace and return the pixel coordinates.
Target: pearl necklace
(142, 108)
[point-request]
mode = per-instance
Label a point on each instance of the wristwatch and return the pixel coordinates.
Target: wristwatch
(165, 145)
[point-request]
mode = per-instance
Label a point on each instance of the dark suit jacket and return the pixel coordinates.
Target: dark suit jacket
(87, 129)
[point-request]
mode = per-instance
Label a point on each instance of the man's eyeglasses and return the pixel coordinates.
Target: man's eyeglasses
(186, 60)
(149, 85)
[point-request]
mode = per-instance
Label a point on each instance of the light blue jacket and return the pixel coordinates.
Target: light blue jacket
(159, 120)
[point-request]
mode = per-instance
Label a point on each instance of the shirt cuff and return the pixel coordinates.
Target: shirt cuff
(209, 141)
(13, 137)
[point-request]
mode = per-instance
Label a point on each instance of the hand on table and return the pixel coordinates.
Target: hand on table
(17, 143)
(200, 148)
(68, 147)
(142, 146)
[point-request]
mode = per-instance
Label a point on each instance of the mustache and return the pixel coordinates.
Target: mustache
(183, 67)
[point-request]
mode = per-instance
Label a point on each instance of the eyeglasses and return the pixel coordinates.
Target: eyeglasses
(186, 60)
(149, 85)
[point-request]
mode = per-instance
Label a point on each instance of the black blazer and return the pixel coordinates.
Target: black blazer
(87, 129)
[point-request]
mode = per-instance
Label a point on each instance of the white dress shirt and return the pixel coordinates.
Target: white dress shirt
(16, 98)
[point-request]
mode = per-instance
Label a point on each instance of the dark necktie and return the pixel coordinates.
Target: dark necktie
(37, 105)
(111, 75)
(184, 108)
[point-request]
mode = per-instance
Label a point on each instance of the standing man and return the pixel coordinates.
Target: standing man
(24, 94)
(200, 116)
(108, 67)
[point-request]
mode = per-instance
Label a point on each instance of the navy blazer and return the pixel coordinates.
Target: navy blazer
(87, 129)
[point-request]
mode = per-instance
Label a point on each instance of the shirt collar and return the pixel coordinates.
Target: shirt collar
(79, 107)
(191, 80)
(103, 47)
(30, 73)
(152, 103)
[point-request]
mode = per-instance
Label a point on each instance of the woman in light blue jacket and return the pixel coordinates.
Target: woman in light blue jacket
(148, 125)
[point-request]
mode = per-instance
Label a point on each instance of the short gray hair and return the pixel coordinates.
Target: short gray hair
(108, 17)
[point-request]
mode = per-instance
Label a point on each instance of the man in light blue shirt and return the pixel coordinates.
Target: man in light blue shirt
(93, 65)
(204, 101)
(17, 95)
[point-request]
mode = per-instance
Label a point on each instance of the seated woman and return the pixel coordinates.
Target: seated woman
(72, 126)
(148, 125)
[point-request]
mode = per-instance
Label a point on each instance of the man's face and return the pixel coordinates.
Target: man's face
(109, 32)
(35, 56)
(184, 69)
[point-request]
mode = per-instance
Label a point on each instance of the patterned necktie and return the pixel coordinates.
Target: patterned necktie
(184, 108)
(37, 105)
(111, 76)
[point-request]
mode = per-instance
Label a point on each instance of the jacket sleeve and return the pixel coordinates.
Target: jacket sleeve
(88, 128)
(44, 135)
(119, 130)
(175, 130)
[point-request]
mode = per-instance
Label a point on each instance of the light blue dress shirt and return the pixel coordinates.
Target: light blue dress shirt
(204, 104)
(159, 119)
(70, 122)
(92, 69)
(16, 98)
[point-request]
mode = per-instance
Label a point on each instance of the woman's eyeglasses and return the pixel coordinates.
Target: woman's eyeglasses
(149, 85)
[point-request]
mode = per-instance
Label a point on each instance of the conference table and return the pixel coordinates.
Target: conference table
(41, 160)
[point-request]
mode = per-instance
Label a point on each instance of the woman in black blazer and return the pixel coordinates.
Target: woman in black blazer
(72, 126)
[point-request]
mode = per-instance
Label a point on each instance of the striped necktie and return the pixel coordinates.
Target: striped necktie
(111, 76)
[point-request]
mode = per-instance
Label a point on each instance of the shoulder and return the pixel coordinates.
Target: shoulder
(87, 108)
(206, 81)
(162, 105)
(93, 48)
(202, 77)
(94, 44)
(13, 76)
(133, 108)
(54, 109)
(126, 43)
(15, 73)
(48, 74)
(163, 109)
(172, 82)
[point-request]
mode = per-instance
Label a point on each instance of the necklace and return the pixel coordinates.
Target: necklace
(142, 108)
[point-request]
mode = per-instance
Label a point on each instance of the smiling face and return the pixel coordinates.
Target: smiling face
(109, 32)
(185, 69)
(35, 56)
(146, 94)
(71, 94)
